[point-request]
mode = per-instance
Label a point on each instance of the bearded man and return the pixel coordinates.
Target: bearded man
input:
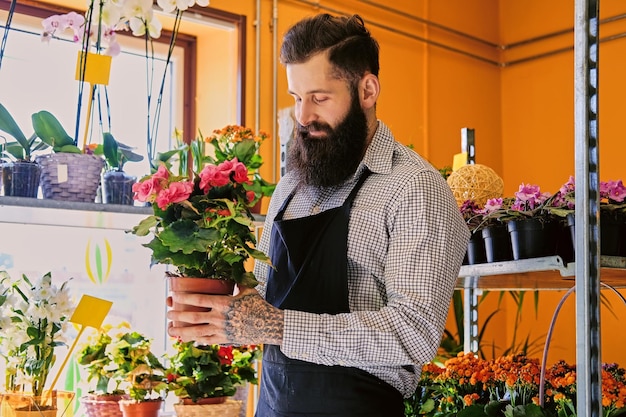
(366, 242)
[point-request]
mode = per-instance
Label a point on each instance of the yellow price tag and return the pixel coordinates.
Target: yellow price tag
(97, 68)
(459, 160)
(91, 311)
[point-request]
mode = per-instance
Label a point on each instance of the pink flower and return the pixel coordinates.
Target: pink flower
(241, 173)
(613, 191)
(219, 176)
(162, 172)
(177, 192)
(492, 205)
(250, 196)
(528, 197)
(146, 191)
(213, 176)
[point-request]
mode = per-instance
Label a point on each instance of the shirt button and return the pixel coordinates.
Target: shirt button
(315, 209)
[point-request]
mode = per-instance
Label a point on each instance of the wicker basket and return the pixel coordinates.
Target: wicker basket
(229, 408)
(102, 406)
(70, 176)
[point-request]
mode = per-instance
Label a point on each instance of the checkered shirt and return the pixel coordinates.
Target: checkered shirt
(406, 242)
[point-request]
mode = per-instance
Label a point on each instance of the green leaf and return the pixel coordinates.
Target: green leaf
(185, 236)
(49, 129)
(110, 150)
(144, 226)
(8, 125)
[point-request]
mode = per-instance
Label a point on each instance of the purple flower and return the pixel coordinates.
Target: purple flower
(614, 191)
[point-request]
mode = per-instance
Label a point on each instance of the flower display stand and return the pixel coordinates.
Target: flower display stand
(50, 404)
(229, 408)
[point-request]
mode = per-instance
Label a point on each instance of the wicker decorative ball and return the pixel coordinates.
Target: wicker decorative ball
(475, 182)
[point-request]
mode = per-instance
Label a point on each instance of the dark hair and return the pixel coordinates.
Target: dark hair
(351, 48)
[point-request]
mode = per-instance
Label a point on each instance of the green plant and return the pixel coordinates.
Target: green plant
(208, 371)
(23, 147)
(143, 372)
(116, 154)
(201, 224)
(95, 357)
(33, 321)
(50, 131)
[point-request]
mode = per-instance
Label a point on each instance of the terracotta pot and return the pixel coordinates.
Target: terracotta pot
(140, 409)
(198, 286)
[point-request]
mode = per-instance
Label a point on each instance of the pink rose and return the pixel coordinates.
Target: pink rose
(241, 173)
(213, 176)
(146, 191)
(250, 196)
(162, 173)
(177, 192)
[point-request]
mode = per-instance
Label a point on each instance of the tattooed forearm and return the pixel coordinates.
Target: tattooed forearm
(252, 320)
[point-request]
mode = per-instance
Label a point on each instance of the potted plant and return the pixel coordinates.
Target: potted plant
(144, 375)
(494, 231)
(68, 173)
(33, 324)
(472, 214)
(117, 184)
(20, 173)
(612, 214)
(103, 397)
(241, 142)
(210, 374)
(201, 225)
(507, 386)
(530, 223)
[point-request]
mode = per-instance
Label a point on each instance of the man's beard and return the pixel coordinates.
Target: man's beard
(329, 161)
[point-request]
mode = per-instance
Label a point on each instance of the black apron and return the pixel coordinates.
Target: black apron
(310, 259)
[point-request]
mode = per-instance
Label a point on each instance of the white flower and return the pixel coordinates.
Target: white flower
(33, 322)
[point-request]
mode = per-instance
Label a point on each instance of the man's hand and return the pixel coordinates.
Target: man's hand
(243, 319)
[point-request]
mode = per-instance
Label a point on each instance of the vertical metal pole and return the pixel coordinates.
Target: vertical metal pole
(468, 144)
(470, 314)
(588, 359)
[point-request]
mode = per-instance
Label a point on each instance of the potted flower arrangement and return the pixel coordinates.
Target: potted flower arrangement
(69, 172)
(144, 375)
(33, 323)
(95, 358)
(209, 374)
(507, 386)
(531, 225)
(241, 142)
(612, 214)
(117, 184)
(472, 214)
(201, 225)
(20, 172)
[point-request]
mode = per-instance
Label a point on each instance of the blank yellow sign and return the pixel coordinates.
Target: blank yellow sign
(91, 311)
(97, 68)
(459, 160)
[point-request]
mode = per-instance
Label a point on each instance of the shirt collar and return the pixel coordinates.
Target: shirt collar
(379, 154)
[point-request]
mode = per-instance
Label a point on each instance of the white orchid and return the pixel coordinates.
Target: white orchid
(33, 321)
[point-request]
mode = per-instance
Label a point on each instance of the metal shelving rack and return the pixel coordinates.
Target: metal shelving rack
(552, 272)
